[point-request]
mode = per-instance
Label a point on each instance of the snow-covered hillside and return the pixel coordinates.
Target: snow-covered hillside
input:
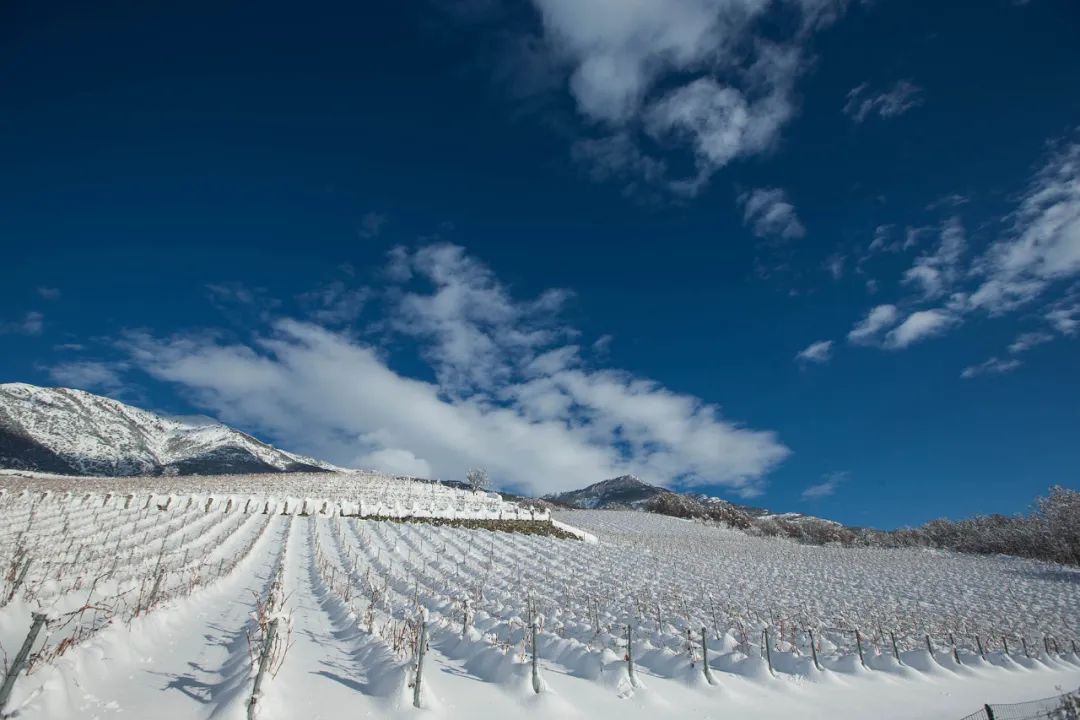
(627, 492)
(166, 612)
(624, 492)
(75, 432)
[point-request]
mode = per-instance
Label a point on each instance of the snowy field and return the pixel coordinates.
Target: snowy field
(354, 493)
(165, 610)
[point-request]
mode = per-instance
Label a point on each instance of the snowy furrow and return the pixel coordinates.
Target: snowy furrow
(326, 657)
(188, 659)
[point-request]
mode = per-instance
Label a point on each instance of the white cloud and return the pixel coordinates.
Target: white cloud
(819, 352)
(826, 487)
(1028, 340)
(336, 304)
(917, 327)
(835, 265)
(900, 98)
(32, 323)
(715, 76)
(769, 213)
(1038, 250)
(1065, 317)
(511, 394)
(883, 240)
(397, 461)
(878, 319)
(935, 273)
(1044, 243)
(371, 225)
(89, 375)
(232, 292)
(49, 293)
(993, 366)
(478, 336)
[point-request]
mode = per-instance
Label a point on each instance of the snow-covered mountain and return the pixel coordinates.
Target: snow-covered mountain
(629, 493)
(621, 493)
(74, 432)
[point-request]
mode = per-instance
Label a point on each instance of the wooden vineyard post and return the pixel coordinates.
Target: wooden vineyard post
(537, 685)
(955, 652)
(630, 656)
(705, 657)
(768, 650)
(21, 659)
(420, 649)
(858, 644)
(982, 652)
(895, 651)
(813, 649)
(264, 665)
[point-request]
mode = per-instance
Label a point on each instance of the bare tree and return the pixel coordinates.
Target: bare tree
(478, 479)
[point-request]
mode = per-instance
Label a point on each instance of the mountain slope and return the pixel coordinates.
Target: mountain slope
(75, 432)
(629, 493)
(621, 493)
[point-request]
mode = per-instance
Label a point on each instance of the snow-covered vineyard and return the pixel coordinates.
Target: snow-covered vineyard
(167, 606)
(357, 493)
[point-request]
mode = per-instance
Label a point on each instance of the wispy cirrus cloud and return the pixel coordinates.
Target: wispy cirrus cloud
(826, 487)
(769, 213)
(992, 366)
(936, 272)
(818, 353)
(918, 326)
(1028, 340)
(371, 225)
(878, 319)
(862, 102)
(1064, 316)
(32, 323)
(1037, 251)
(94, 375)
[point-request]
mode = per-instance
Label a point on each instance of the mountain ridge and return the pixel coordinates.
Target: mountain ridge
(75, 432)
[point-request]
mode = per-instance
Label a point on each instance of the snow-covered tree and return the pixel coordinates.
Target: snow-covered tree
(478, 479)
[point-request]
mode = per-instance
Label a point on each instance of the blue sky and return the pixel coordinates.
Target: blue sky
(814, 254)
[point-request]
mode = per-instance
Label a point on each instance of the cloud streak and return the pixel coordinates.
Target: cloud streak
(993, 366)
(32, 323)
(918, 326)
(819, 352)
(897, 100)
(825, 488)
